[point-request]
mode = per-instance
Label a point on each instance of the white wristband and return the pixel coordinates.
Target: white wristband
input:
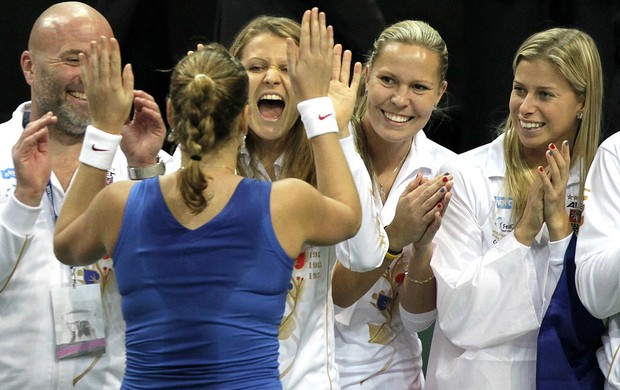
(99, 148)
(318, 116)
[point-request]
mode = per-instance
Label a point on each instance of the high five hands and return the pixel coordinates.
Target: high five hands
(310, 64)
(108, 90)
(343, 88)
(110, 93)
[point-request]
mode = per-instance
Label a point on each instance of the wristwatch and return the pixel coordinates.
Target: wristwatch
(157, 169)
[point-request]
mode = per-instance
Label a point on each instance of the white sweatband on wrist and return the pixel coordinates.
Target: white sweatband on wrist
(99, 148)
(318, 116)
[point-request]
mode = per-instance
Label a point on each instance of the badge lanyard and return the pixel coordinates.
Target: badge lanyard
(78, 312)
(68, 304)
(50, 196)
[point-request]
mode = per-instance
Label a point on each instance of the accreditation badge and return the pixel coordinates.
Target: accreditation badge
(78, 320)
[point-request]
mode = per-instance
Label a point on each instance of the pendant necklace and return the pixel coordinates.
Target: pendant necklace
(396, 170)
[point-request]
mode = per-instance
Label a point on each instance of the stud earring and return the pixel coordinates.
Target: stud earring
(580, 115)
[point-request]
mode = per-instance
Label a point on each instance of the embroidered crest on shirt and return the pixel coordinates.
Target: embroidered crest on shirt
(502, 217)
(386, 302)
(99, 272)
(288, 325)
(575, 208)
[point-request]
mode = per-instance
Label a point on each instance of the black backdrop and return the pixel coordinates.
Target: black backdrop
(482, 37)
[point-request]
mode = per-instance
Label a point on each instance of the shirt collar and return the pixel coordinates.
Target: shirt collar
(421, 154)
(495, 163)
(277, 165)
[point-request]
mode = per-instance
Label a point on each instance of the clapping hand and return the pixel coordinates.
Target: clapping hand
(547, 195)
(419, 211)
(144, 134)
(32, 162)
(554, 181)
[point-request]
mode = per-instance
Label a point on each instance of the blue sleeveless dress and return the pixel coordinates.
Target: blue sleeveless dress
(202, 306)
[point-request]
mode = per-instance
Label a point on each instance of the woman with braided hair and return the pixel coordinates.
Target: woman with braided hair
(204, 256)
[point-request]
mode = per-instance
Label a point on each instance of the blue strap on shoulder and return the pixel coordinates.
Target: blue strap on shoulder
(569, 337)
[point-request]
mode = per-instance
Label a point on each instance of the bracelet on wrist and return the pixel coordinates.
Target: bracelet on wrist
(157, 169)
(393, 255)
(419, 281)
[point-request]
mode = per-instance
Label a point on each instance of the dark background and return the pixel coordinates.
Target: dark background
(482, 37)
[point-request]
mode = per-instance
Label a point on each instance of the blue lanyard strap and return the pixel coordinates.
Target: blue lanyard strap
(50, 195)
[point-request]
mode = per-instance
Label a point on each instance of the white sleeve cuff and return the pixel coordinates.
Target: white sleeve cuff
(557, 249)
(18, 217)
(417, 322)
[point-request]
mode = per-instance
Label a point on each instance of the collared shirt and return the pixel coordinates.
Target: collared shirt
(307, 330)
(598, 252)
(371, 345)
(27, 349)
(277, 165)
(492, 291)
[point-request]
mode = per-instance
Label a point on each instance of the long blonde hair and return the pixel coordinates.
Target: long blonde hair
(574, 54)
(208, 91)
(298, 161)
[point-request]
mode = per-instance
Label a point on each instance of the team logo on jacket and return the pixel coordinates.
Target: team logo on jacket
(575, 207)
(109, 177)
(502, 217)
(8, 173)
(503, 202)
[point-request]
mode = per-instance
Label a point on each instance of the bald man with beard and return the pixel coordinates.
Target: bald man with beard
(41, 299)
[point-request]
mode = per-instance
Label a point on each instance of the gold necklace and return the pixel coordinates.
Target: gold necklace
(233, 171)
(396, 170)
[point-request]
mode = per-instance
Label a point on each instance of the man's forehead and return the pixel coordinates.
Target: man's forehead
(69, 21)
(69, 35)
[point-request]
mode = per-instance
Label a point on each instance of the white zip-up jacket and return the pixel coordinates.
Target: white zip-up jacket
(492, 291)
(29, 271)
(597, 255)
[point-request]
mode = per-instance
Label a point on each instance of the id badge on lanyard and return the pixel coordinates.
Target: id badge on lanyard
(78, 313)
(78, 320)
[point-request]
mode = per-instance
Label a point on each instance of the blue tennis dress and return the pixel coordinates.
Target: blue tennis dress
(202, 306)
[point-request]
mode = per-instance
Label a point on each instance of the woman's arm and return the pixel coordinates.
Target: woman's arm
(367, 249)
(483, 280)
(415, 221)
(79, 235)
(597, 254)
(310, 68)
